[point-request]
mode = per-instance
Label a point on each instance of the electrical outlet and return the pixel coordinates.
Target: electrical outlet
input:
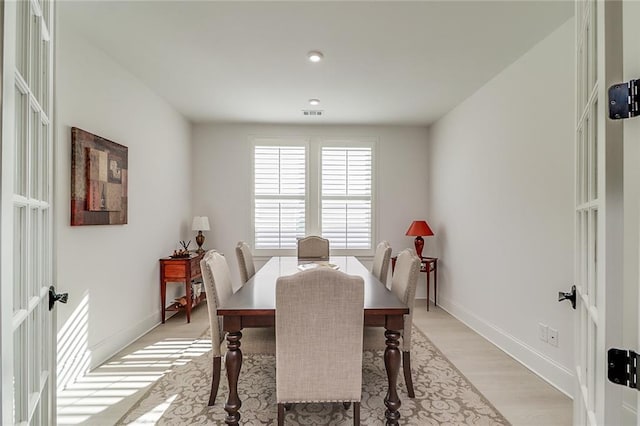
(543, 332)
(553, 337)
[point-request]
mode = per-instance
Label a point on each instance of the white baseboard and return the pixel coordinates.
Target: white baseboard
(546, 368)
(110, 346)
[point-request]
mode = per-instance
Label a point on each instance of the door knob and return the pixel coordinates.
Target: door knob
(55, 297)
(568, 296)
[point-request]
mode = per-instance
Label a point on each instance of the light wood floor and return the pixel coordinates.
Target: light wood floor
(110, 390)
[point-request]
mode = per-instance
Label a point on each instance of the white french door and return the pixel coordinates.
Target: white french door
(26, 268)
(599, 204)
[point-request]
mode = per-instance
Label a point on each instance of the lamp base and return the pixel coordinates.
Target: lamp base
(419, 243)
(200, 242)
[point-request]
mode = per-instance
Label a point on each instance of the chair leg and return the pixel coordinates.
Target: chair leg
(215, 379)
(356, 414)
(280, 414)
(346, 405)
(406, 367)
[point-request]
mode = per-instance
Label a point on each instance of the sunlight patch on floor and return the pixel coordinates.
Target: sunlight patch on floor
(151, 417)
(116, 380)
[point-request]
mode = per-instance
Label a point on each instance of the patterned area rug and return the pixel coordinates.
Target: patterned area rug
(443, 395)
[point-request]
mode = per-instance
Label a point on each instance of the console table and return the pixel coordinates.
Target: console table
(427, 265)
(180, 270)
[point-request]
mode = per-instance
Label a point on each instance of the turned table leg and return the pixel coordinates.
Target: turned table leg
(233, 363)
(392, 364)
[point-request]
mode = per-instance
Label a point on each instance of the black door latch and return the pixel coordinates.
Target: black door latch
(568, 296)
(55, 297)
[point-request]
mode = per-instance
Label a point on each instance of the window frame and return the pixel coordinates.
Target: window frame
(313, 184)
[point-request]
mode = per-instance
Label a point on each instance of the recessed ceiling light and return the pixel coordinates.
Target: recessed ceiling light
(314, 101)
(315, 56)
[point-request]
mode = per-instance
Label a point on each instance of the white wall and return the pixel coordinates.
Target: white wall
(222, 155)
(111, 272)
(501, 198)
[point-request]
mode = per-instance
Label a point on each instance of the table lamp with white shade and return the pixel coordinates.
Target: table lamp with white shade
(200, 223)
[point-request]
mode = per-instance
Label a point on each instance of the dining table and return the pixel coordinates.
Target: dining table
(254, 305)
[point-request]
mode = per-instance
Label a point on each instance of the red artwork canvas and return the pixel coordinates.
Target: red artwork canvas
(98, 180)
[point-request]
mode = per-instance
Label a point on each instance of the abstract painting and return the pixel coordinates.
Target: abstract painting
(99, 172)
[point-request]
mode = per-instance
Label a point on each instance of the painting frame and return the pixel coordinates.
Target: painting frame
(99, 180)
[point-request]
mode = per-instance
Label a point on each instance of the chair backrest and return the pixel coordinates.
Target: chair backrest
(218, 288)
(319, 332)
(403, 285)
(245, 261)
(313, 247)
(381, 262)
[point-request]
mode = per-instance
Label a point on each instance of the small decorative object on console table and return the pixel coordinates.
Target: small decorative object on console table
(419, 229)
(200, 223)
(428, 265)
(183, 252)
(180, 270)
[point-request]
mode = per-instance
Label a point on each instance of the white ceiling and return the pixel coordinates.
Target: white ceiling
(385, 62)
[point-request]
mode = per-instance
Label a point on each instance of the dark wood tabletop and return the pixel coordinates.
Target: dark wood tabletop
(254, 305)
(258, 295)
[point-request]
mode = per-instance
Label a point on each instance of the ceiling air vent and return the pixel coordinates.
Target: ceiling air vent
(312, 112)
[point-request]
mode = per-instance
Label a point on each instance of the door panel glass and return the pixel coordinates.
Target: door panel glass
(591, 364)
(34, 254)
(594, 137)
(34, 136)
(19, 229)
(580, 167)
(594, 254)
(45, 164)
(584, 255)
(20, 148)
(592, 158)
(590, 251)
(35, 38)
(33, 354)
(584, 317)
(593, 12)
(22, 36)
(45, 58)
(19, 375)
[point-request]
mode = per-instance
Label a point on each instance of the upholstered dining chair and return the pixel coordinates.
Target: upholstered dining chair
(219, 288)
(381, 262)
(403, 285)
(245, 262)
(313, 247)
(319, 331)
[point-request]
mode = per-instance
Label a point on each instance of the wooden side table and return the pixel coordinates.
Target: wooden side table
(427, 265)
(180, 270)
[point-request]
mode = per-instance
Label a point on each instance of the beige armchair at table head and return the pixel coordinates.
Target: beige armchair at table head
(313, 247)
(319, 329)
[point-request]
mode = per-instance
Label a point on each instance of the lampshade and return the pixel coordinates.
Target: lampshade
(200, 223)
(419, 228)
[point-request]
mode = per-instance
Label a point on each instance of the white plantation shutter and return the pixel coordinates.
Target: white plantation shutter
(280, 191)
(346, 196)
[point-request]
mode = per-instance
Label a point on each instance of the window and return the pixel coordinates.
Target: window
(318, 187)
(346, 197)
(280, 196)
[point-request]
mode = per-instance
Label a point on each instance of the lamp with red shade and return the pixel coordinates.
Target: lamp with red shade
(419, 229)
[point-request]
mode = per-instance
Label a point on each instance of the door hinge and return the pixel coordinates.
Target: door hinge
(622, 367)
(623, 100)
